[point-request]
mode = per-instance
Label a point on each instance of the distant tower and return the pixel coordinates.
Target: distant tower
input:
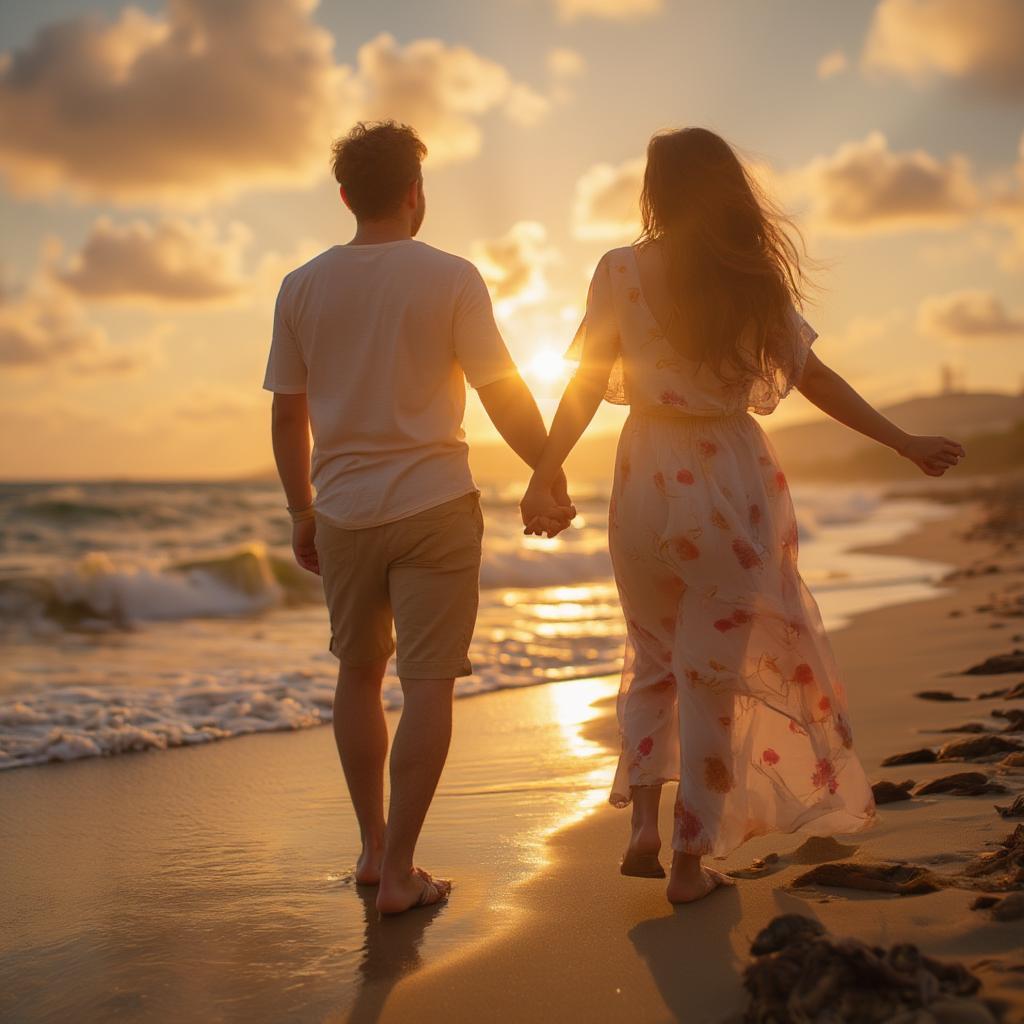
(953, 380)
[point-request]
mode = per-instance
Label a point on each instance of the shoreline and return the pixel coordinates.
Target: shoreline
(53, 698)
(630, 966)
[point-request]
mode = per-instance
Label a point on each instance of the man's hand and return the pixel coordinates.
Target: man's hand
(303, 546)
(932, 455)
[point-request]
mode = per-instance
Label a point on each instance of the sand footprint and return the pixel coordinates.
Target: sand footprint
(815, 850)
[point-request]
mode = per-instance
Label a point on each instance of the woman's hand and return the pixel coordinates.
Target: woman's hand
(303, 545)
(547, 509)
(932, 455)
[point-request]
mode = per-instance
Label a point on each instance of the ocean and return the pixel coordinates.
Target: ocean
(151, 616)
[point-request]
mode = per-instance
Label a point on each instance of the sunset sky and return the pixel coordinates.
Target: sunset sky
(163, 165)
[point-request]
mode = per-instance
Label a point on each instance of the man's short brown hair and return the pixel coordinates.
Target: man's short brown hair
(375, 163)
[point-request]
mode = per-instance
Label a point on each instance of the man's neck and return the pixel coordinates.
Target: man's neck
(378, 231)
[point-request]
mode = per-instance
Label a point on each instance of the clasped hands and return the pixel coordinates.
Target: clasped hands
(547, 509)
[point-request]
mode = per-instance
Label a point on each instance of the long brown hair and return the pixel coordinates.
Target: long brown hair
(733, 270)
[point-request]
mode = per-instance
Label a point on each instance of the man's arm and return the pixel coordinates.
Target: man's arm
(290, 437)
(514, 413)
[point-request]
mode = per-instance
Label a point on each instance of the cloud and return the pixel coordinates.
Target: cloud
(170, 262)
(513, 266)
(606, 204)
(565, 63)
(46, 329)
(440, 90)
(978, 44)
(864, 186)
(526, 106)
(565, 66)
(616, 10)
(832, 64)
(209, 98)
(1007, 209)
(968, 315)
(204, 99)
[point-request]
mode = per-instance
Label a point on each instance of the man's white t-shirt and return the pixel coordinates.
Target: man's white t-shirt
(382, 339)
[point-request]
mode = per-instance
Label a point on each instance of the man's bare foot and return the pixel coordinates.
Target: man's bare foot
(689, 886)
(417, 889)
(368, 865)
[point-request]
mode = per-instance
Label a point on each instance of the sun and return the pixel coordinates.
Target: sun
(548, 366)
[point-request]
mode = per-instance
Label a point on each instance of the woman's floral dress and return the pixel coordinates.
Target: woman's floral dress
(729, 684)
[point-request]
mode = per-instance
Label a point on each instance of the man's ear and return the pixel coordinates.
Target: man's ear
(412, 195)
(344, 198)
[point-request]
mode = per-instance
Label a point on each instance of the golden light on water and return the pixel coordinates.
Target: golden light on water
(572, 707)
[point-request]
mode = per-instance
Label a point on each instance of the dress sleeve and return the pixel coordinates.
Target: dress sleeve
(479, 346)
(597, 346)
(768, 390)
(286, 367)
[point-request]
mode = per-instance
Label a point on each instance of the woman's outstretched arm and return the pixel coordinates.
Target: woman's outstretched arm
(833, 395)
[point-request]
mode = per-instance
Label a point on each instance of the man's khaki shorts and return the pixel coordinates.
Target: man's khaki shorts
(421, 573)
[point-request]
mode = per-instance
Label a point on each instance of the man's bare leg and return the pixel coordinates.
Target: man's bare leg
(417, 757)
(362, 737)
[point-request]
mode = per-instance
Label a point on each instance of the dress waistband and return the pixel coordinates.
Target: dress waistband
(674, 412)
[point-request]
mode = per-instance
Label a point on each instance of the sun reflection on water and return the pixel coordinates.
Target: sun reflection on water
(574, 705)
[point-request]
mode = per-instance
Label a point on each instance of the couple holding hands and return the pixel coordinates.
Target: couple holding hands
(730, 691)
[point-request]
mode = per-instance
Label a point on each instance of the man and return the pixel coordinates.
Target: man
(373, 342)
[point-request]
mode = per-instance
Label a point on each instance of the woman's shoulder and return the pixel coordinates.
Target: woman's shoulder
(616, 256)
(614, 264)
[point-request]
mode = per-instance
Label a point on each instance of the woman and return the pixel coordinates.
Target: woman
(729, 684)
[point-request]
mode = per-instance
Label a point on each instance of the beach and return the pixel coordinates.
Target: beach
(215, 883)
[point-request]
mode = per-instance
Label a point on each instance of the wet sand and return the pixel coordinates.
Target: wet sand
(214, 883)
(592, 945)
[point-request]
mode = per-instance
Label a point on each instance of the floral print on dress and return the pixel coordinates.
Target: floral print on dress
(684, 548)
(717, 776)
(745, 554)
(688, 825)
(670, 397)
(825, 775)
(729, 686)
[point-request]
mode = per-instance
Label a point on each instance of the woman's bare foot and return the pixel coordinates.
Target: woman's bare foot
(692, 881)
(368, 865)
(641, 856)
(417, 889)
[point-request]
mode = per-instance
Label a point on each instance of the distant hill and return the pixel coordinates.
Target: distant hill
(988, 453)
(826, 449)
